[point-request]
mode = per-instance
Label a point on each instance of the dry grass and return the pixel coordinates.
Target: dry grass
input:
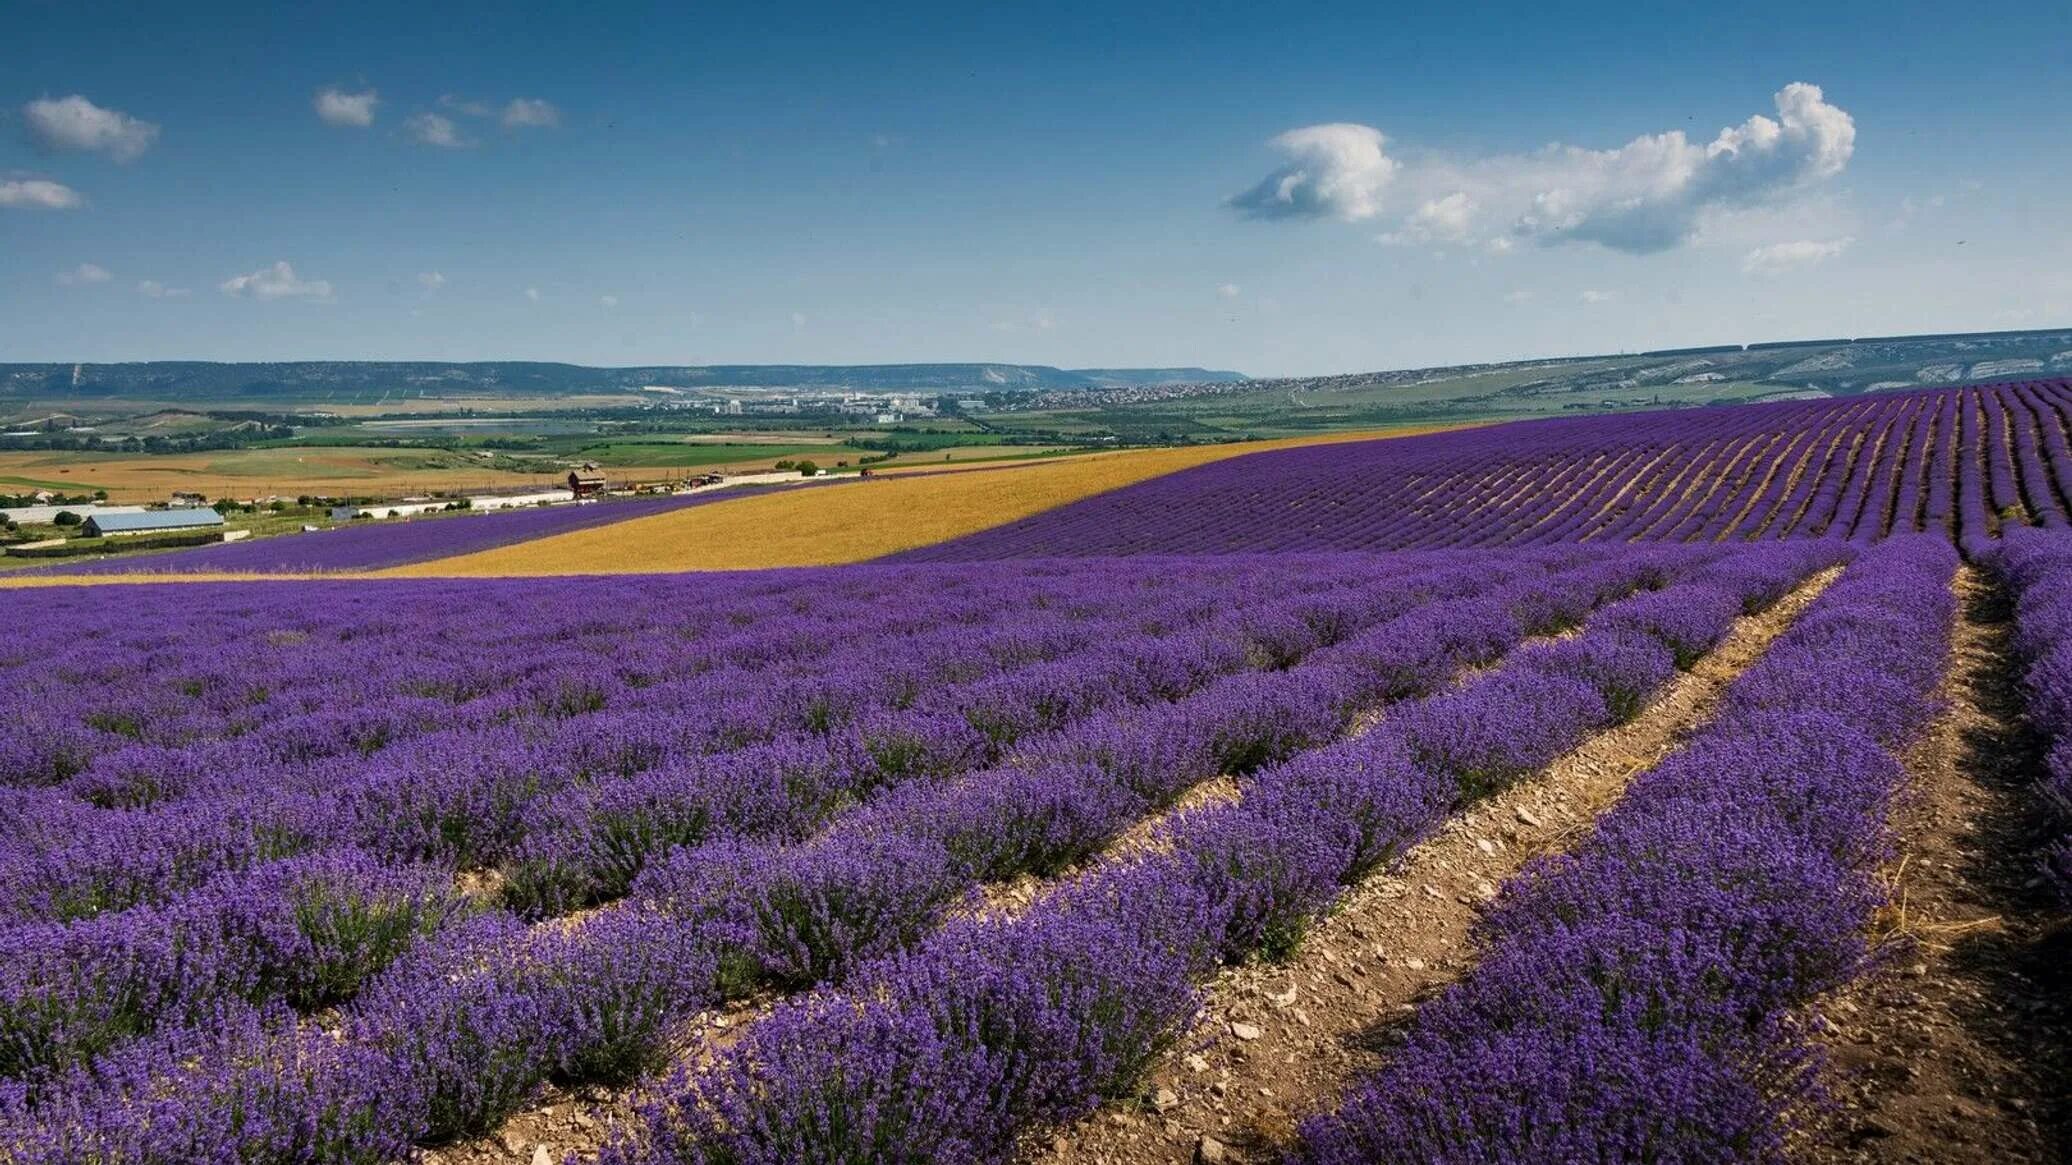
(845, 523)
(146, 477)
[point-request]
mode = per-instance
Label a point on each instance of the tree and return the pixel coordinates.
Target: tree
(808, 469)
(65, 518)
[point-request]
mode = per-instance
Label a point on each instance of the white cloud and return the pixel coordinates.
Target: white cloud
(74, 123)
(1229, 290)
(608, 301)
(153, 289)
(433, 130)
(798, 319)
(530, 112)
(1334, 171)
(430, 280)
(1519, 296)
(335, 106)
(277, 282)
(1647, 195)
(1437, 220)
(533, 294)
(38, 194)
(83, 274)
(1781, 257)
(1593, 296)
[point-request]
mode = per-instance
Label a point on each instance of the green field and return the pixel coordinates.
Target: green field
(664, 452)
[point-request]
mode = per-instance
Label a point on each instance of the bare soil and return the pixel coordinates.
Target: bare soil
(1277, 1042)
(1956, 1049)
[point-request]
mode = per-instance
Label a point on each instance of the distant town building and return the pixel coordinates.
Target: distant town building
(183, 500)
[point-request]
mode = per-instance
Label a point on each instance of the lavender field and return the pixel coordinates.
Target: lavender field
(1959, 462)
(1112, 834)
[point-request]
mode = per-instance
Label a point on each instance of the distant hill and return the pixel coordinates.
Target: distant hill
(305, 381)
(1621, 382)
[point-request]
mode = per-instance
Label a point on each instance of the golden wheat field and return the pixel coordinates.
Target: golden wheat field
(848, 523)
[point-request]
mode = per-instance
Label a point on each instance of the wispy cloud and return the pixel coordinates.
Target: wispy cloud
(1647, 195)
(38, 194)
(75, 124)
(530, 113)
(464, 106)
(335, 106)
(277, 282)
(432, 129)
(430, 280)
(607, 301)
(84, 274)
(1778, 258)
(1592, 295)
(532, 294)
(1229, 290)
(153, 289)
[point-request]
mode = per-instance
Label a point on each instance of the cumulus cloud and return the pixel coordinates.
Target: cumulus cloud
(431, 129)
(335, 106)
(430, 280)
(76, 124)
(83, 274)
(1781, 257)
(530, 112)
(277, 282)
(153, 289)
(1334, 171)
(38, 194)
(1647, 195)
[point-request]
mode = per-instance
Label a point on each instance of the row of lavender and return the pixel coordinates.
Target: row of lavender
(121, 908)
(289, 693)
(1964, 462)
(2038, 567)
(997, 1023)
(375, 545)
(1641, 997)
(617, 981)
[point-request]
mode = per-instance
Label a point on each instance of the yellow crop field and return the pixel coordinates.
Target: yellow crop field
(844, 523)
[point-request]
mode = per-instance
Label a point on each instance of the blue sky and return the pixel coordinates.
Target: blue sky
(1274, 188)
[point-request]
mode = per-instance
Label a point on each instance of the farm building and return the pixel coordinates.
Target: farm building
(515, 501)
(46, 514)
(586, 482)
(152, 521)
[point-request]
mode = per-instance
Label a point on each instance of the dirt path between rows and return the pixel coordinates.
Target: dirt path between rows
(1277, 1042)
(1957, 1049)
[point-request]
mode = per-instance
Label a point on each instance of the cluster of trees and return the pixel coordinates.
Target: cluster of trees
(9, 501)
(240, 438)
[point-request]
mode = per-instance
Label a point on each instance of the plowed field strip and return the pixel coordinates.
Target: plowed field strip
(1960, 1048)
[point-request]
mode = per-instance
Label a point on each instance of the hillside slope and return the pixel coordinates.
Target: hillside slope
(1960, 461)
